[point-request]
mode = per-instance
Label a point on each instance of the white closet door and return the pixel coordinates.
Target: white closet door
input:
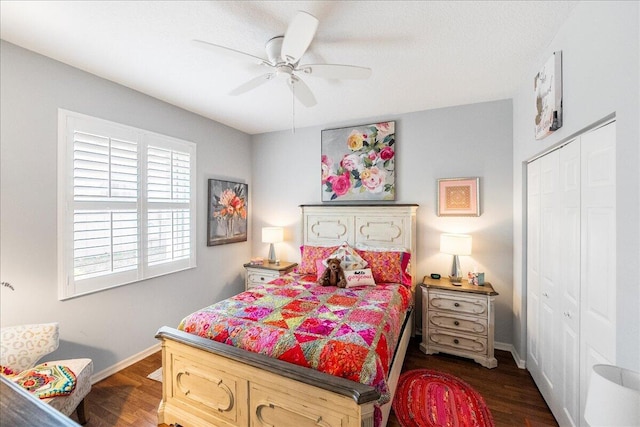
(543, 277)
(598, 272)
(550, 285)
(569, 268)
(533, 267)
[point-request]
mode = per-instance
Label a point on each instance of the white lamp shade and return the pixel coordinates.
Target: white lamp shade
(613, 398)
(272, 234)
(455, 244)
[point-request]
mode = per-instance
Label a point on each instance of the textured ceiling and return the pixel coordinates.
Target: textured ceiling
(424, 55)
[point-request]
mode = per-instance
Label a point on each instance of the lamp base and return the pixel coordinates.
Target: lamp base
(272, 254)
(456, 275)
(456, 280)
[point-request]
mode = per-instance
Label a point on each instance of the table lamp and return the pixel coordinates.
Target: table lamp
(455, 244)
(613, 397)
(272, 235)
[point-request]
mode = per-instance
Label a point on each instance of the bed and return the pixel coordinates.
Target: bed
(208, 382)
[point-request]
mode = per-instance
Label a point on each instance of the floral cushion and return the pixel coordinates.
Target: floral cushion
(46, 381)
(388, 267)
(309, 256)
(349, 258)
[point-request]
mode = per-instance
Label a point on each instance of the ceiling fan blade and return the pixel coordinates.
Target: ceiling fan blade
(301, 91)
(336, 71)
(298, 37)
(252, 84)
(236, 54)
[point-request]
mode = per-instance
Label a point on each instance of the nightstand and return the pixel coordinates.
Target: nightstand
(260, 274)
(458, 319)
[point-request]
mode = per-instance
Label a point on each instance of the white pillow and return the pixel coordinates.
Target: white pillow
(365, 247)
(361, 277)
(349, 258)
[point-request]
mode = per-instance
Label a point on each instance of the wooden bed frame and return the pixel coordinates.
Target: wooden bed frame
(207, 383)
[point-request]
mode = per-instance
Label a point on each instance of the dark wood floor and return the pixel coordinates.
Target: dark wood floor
(128, 398)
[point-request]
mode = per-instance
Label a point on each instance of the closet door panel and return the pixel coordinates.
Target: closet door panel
(598, 250)
(533, 266)
(549, 272)
(569, 262)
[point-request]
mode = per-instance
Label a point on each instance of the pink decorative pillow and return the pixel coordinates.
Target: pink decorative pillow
(362, 277)
(320, 267)
(388, 267)
(310, 254)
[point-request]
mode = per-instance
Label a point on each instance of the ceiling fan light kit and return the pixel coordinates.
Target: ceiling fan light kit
(283, 57)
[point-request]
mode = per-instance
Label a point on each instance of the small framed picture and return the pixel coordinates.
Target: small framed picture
(458, 197)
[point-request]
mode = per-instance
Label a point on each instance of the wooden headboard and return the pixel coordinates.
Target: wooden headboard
(388, 226)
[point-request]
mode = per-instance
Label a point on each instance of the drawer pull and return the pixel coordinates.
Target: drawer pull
(259, 409)
(457, 304)
(456, 341)
(456, 323)
(262, 278)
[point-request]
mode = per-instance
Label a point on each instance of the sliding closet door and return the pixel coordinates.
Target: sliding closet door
(598, 273)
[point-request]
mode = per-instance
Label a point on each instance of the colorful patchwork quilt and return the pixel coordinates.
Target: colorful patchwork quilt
(350, 333)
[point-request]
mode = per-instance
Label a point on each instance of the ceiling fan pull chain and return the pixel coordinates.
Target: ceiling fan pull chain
(293, 109)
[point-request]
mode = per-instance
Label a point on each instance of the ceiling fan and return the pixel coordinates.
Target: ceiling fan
(283, 60)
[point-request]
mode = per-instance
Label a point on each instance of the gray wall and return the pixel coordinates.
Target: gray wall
(600, 43)
(112, 325)
(470, 140)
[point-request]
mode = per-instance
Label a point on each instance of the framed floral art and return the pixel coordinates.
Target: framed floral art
(358, 163)
(227, 212)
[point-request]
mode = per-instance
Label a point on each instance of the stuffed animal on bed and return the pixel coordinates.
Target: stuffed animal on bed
(333, 275)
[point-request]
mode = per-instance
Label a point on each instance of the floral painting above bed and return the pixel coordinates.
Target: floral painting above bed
(358, 163)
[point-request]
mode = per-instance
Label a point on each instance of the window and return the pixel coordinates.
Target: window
(126, 204)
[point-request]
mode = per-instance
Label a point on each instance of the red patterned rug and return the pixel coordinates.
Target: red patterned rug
(426, 398)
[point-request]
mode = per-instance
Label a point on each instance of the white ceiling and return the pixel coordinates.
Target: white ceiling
(424, 55)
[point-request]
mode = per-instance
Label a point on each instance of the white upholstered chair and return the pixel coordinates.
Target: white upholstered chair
(21, 347)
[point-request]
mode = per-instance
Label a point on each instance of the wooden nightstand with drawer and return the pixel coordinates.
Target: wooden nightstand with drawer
(260, 274)
(458, 320)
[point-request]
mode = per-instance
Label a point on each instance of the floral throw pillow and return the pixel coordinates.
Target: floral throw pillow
(349, 258)
(311, 254)
(388, 267)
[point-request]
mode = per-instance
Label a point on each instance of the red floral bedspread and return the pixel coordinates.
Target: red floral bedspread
(350, 333)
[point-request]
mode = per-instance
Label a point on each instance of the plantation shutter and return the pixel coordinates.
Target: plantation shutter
(168, 194)
(105, 193)
(127, 208)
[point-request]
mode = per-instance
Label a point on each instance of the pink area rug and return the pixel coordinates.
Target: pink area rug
(427, 398)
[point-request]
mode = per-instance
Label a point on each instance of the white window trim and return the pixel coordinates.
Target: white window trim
(67, 286)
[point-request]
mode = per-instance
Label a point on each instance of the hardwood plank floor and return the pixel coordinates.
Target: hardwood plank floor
(129, 398)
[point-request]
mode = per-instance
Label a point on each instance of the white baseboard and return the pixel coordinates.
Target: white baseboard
(511, 349)
(99, 376)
